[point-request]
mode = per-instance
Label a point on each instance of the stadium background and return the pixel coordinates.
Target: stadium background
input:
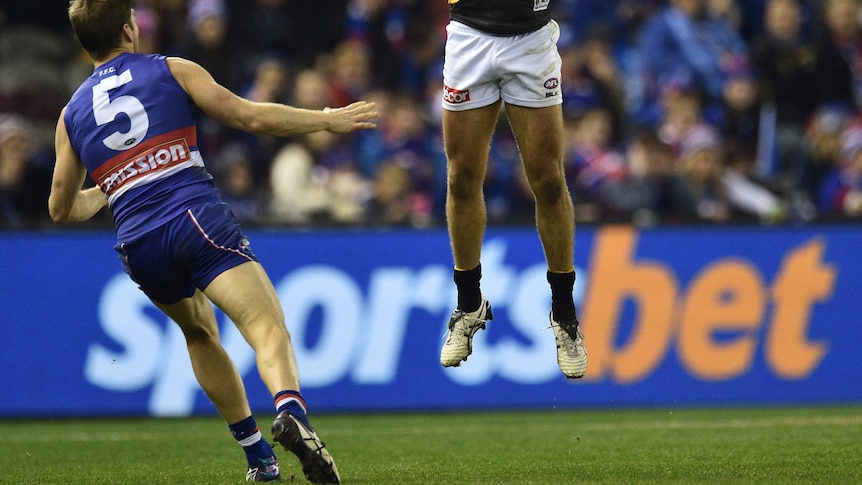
(758, 312)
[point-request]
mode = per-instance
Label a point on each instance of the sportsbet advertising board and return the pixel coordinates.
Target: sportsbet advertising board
(672, 317)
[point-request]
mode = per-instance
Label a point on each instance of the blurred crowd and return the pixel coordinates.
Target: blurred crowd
(676, 111)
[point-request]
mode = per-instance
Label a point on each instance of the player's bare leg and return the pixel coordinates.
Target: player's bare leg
(213, 368)
(468, 140)
(245, 293)
(221, 382)
(467, 136)
(539, 133)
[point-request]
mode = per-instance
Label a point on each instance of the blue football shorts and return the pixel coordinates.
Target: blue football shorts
(187, 253)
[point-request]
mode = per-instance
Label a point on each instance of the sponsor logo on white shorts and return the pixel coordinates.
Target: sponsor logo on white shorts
(551, 84)
(455, 96)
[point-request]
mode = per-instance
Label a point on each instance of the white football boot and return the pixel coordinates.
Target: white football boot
(462, 326)
(571, 354)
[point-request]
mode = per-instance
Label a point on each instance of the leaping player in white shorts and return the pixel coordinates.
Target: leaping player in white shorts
(505, 52)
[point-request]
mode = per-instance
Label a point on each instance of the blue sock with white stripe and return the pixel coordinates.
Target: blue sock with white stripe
(291, 401)
(248, 435)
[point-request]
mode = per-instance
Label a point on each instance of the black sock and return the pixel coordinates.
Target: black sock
(562, 301)
(469, 295)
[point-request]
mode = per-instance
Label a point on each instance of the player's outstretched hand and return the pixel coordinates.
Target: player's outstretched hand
(355, 116)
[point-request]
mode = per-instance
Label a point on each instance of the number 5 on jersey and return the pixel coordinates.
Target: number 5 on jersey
(106, 110)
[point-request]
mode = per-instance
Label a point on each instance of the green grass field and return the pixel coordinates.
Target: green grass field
(684, 446)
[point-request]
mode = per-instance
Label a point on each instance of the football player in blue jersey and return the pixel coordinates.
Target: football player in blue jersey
(130, 128)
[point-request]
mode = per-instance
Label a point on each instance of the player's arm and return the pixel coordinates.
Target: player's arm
(265, 118)
(67, 202)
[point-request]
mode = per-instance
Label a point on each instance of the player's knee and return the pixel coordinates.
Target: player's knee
(464, 185)
(550, 190)
(199, 333)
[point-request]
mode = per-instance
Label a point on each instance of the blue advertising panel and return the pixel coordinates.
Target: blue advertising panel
(671, 317)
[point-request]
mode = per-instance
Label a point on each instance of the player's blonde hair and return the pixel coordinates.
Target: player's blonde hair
(98, 24)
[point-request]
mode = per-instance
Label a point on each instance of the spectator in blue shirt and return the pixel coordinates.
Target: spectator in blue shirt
(683, 41)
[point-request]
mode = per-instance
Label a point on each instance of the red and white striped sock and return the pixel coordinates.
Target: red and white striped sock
(293, 402)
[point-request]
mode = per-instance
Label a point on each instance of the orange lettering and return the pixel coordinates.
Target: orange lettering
(804, 280)
(719, 319)
(614, 277)
(728, 297)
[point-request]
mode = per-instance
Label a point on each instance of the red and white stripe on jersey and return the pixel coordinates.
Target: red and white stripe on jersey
(152, 160)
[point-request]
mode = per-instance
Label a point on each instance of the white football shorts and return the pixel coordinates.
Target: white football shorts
(480, 68)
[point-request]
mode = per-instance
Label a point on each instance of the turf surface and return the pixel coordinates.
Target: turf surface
(682, 446)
